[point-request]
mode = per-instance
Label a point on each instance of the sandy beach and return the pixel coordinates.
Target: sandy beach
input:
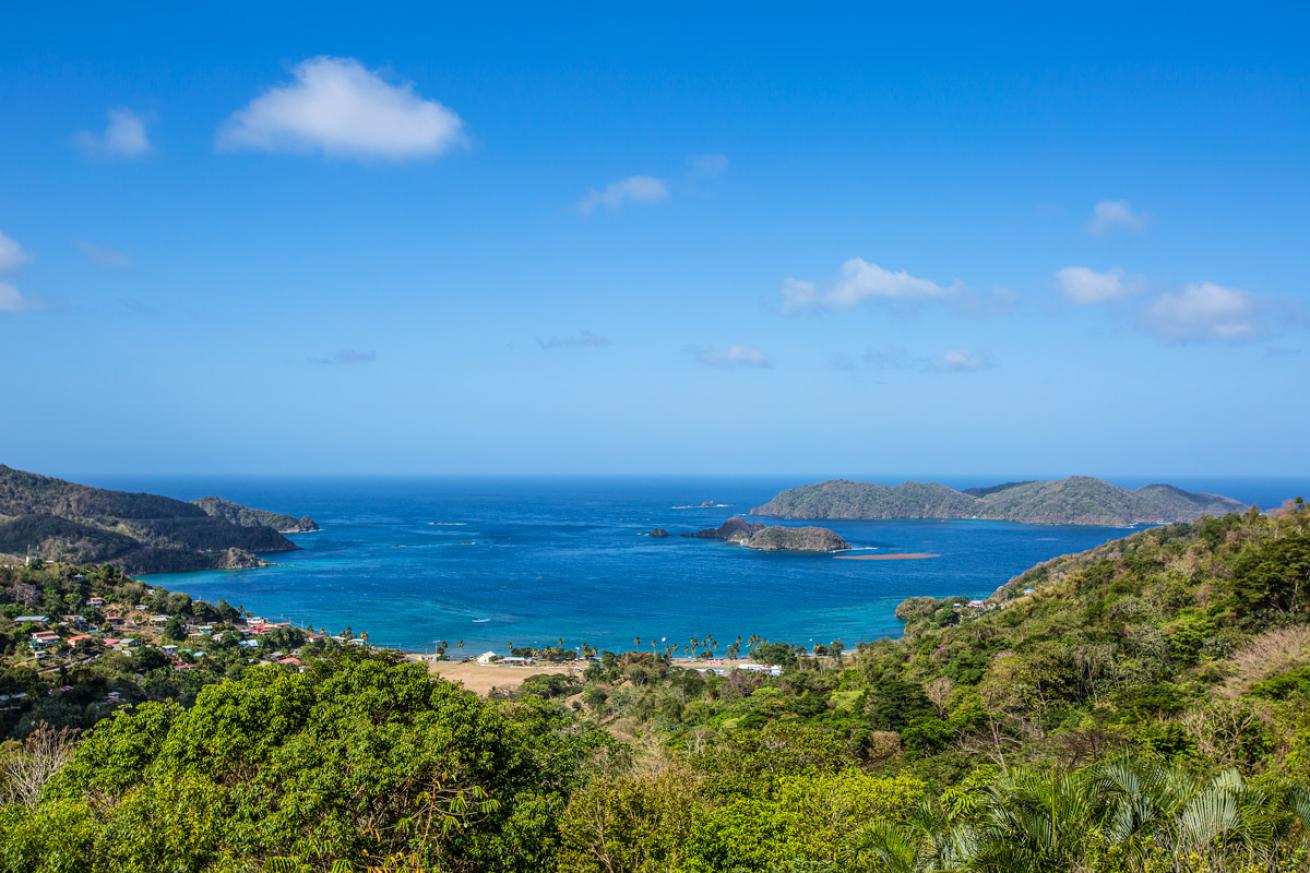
(482, 678)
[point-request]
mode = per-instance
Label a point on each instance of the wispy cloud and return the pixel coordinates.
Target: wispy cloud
(633, 189)
(339, 108)
(733, 357)
(705, 167)
(12, 258)
(860, 280)
(104, 256)
(961, 361)
(1204, 311)
(12, 255)
(346, 356)
(584, 339)
(888, 358)
(141, 307)
(1084, 286)
(124, 136)
(12, 300)
(893, 358)
(1111, 215)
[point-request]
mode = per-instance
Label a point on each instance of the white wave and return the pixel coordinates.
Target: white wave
(448, 523)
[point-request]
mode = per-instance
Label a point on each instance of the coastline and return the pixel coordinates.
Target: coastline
(482, 679)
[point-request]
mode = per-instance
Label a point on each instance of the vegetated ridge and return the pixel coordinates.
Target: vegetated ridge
(773, 538)
(141, 533)
(1076, 500)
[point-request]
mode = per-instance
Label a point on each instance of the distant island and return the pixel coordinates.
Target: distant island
(774, 538)
(141, 533)
(1077, 500)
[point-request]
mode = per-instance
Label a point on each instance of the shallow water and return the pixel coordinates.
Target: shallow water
(491, 561)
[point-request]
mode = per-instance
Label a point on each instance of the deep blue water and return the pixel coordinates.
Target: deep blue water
(530, 560)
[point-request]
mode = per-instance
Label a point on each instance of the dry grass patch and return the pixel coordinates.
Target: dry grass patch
(1265, 655)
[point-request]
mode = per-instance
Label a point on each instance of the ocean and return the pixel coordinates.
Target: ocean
(490, 561)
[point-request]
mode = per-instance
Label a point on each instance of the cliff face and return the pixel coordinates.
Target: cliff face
(142, 533)
(1077, 500)
(776, 538)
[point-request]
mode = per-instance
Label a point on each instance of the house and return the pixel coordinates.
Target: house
(32, 619)
(168, 650)
(249, 644)
(291, 662)
(977, 604)
(81, 641)
(97, 602)
(159, 619)
(41, 639)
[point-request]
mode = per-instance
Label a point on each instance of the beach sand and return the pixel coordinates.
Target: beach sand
(904, 556)
(481, 678)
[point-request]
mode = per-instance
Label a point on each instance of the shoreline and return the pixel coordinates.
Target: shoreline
(482, 679)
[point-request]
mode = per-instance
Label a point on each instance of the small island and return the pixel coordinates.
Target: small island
(773, 538)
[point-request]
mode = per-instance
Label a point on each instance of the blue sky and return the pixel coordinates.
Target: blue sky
(741, 239)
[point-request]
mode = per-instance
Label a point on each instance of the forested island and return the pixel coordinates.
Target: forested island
(140, 533)
(773, 538)
(1076, 500)
(1144, 706)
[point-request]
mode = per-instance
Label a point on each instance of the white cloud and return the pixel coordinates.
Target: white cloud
(733, 356)
(708, 166)
(346, 356)
(1084, 286)
(339, 108)
(633, 189)
(1203, 311)
(860, 280)
(124, 136)
(104, 256)
(1109, 215)
(12, 301)
(12, 255)
(582, 340)
(892, 358)
(961, 361)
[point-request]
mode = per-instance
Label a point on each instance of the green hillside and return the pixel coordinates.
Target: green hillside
(1141, 707)
(57, 520)
(1078, 500)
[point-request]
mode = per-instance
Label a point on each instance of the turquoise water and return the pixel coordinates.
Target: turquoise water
(491, 561)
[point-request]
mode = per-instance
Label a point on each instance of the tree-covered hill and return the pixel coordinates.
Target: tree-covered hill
(1080, 500)
(58, 520)
(1138, 708)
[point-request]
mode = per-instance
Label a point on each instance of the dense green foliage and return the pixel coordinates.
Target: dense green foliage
(1075, 500)
(59, 520)
(359, 757)
(1142, 707)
